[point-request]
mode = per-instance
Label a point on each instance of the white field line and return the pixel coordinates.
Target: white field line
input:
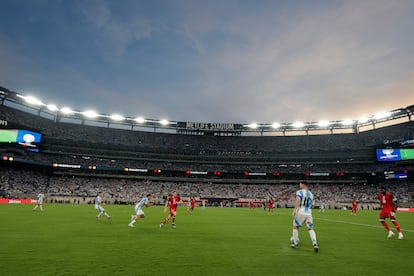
(359, 224)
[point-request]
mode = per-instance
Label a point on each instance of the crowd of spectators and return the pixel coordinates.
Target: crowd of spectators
(75, 133)
(27, 183)
(194, 165)
(71, 143)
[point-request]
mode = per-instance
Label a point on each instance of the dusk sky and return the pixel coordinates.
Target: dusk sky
(212, 61)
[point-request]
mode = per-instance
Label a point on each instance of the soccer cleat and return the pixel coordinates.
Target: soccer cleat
(400, 236)
(390, 234)
(131, 225)
(173, 225)
(294, 244)
(109, 217)
(315, 248)
(161, 225)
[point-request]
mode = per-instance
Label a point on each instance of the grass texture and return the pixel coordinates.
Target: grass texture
(68, 240)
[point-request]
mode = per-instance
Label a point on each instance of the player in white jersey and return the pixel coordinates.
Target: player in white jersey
(302, 214)
(99, 208)
(40, 198)
(138, 210)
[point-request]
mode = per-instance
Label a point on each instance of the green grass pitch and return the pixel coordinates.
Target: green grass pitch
(68, 240)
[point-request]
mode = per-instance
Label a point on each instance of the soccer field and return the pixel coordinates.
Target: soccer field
(68, 240)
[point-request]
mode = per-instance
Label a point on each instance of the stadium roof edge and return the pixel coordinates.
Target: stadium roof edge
(220, 129)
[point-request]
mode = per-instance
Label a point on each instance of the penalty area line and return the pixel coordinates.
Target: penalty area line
(359, 224)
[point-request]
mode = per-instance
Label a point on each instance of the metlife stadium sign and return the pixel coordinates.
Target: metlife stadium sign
(207, 126)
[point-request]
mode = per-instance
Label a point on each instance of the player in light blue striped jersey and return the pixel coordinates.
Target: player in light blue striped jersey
(302, 214)
(138, 210)
(40, 198)
(99, 207)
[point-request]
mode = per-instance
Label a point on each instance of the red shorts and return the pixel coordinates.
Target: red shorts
(173, 212)
(387, 214)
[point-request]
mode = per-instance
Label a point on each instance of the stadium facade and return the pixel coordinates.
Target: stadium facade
(113, 146)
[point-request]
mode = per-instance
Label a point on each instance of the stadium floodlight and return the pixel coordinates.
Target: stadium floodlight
(117, 117)
(323, 123)
(90, 114)
(275, 125)
(382, 115)
(32, 100)
(164, 122)
(347, 122)
(52, 107)
(298, 124)
(252, 125)
(140, 120)
(67, 111)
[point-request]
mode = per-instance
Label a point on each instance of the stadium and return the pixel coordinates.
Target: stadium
(77, 145)
(74, 154)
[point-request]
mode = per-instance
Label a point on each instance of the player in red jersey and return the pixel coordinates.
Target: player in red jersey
(389, 205)
(270, 206)
(191, 204)
(354, 207)
(172, 202)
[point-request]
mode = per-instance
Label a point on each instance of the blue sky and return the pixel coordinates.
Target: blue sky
(212, 61)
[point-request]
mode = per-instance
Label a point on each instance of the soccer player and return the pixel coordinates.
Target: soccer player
(270, 206)
(99, 208)
(191, 204)
(322, 208)
(302, 214)
(172, 202)
(40, 198)
(354, 207)
(138, 210)
(389, 206)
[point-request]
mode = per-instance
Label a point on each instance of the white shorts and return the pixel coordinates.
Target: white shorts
(139, 212)
(301, 219)
(99, 208)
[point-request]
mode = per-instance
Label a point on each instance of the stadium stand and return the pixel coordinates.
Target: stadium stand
(77, 160)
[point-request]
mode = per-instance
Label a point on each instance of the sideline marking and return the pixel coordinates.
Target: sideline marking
(360, 224)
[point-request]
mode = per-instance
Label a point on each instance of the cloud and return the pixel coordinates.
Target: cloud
(193, 40)
(316, 66)
(214, 62)
(114, 32)
(19, 71)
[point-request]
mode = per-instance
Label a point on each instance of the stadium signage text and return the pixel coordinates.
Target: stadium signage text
(209, 126)
(3, 123)
(319, 174)
(196, 172)
(257, 173)
(411, 210)
(56, 165)
(407, 142)
(136, 170)
(17, 201)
